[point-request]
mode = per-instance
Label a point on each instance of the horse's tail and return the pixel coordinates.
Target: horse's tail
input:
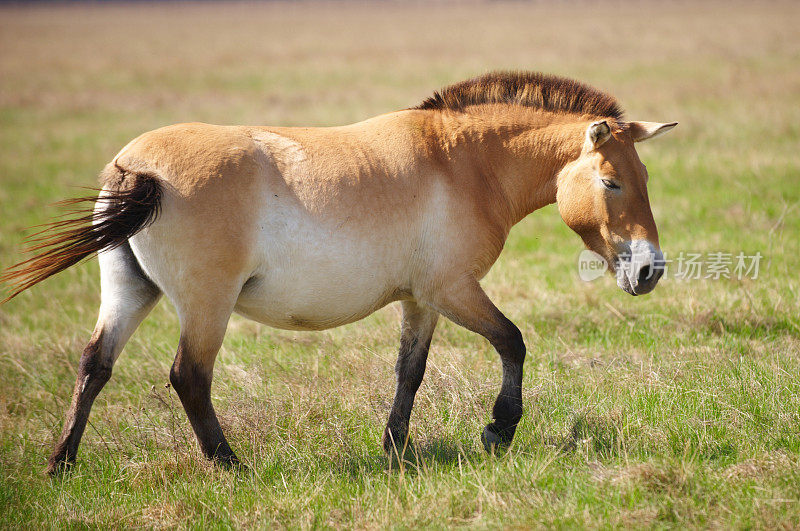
(127, 203)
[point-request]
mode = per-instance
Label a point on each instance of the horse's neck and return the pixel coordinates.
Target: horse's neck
(520, 154)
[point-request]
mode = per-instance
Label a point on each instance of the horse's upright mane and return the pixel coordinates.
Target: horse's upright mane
(529, 89)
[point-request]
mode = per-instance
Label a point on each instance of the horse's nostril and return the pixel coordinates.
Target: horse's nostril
(645, 275)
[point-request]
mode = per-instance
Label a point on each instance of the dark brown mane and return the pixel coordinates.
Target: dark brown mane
(529, 89)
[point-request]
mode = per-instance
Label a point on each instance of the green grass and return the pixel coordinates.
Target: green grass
(679, 409)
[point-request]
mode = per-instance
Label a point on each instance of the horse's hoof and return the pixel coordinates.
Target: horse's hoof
(492, 441)
(395, 442)
(228, 462)
(56, 468)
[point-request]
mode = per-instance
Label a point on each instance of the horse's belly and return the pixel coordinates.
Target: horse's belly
(316, 291)
(310, 308)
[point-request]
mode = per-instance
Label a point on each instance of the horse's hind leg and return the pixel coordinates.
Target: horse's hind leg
(127, 297)
(415, 340)
(203, 324)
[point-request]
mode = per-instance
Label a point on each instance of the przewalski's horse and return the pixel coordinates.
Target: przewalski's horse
(311, 228)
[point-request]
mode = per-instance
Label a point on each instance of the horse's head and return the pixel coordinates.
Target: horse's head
(602, 196)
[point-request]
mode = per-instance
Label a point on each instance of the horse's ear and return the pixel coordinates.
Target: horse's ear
(645, 130)
(597, 134)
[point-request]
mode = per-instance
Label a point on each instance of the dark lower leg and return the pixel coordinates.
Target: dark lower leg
(467, 304)
(410, 370)
(415, 340)
(94, 371)
(193, 385)
(507, 410)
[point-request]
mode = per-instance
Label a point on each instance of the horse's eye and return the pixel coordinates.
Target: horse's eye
(611, 185)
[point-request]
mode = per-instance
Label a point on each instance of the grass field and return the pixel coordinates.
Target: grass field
(677, 409)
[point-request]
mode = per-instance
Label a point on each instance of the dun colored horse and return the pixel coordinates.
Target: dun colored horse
(311, 228)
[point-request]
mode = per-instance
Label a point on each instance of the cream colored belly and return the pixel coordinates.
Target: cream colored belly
(308, 307)
(315, 280)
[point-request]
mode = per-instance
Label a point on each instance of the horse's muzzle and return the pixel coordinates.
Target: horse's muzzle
(639, 267)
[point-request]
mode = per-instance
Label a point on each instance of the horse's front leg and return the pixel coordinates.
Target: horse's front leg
(415, 340)
(466, 304)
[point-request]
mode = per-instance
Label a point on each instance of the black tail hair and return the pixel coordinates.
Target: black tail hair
(128, 207)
